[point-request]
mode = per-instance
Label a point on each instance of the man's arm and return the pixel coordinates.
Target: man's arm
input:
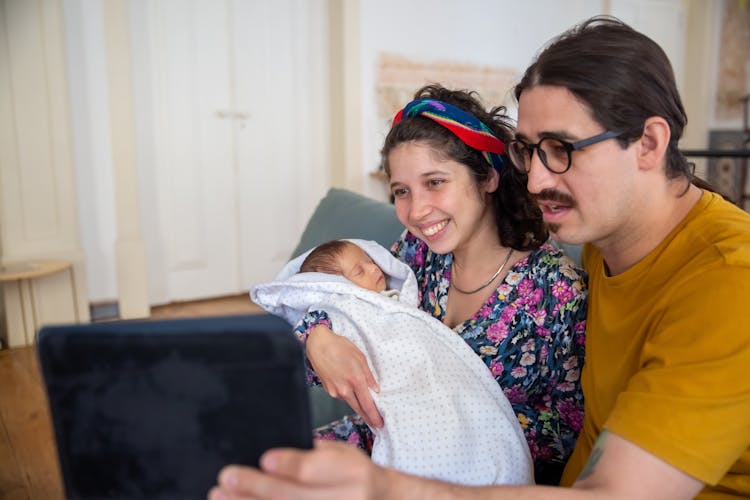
(616, 469)
(619, 468)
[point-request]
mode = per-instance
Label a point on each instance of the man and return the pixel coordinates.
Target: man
(667, 412)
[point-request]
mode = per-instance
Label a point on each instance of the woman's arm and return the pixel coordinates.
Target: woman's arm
(343, 371)
(338, 365)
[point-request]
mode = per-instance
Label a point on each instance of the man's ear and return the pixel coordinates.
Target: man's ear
(653, 143)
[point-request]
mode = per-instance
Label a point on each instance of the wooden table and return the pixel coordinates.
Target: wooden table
(25, 272)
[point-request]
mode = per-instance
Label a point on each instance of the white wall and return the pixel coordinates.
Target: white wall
(92, 146)
(499, 33)
(38, 204)
(503, 33)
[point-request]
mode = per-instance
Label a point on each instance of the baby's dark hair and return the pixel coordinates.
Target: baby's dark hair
(519, 219)
(324, 258)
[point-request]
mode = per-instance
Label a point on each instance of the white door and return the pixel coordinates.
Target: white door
(232, 89)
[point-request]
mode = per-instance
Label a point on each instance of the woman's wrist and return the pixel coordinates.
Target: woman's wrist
(316, 336)
(309, 322)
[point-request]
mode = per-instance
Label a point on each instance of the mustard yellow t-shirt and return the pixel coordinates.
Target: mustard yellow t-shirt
(668, 351)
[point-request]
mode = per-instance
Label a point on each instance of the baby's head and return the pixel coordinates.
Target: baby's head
(346, 259)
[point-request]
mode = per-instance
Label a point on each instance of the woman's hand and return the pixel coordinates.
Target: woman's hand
(344, 372)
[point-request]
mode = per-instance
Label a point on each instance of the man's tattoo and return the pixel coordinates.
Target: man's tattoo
(596, 454)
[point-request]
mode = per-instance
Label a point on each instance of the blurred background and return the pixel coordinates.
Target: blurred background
(173, 150)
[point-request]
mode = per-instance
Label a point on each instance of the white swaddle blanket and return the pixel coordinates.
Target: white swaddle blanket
(444, 414)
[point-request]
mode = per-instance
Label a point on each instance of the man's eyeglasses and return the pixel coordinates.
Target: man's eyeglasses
(554, 153)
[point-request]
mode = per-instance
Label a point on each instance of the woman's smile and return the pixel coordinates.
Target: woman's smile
(433, 229)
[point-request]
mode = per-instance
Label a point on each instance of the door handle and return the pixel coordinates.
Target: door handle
(231, 114)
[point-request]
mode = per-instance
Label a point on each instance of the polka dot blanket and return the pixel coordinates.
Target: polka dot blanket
(445, 416)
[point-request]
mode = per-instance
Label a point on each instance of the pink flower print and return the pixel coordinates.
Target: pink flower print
(328, 436)
(525, 287)
(528, 345)
(535, 297)
(527, 359)
(484, 312)
(515, 394)
(571, 414)
(572, 375)
(570, 363)
(560, 289)
(419, 257)
(353, 439)
(518, 372)
(497, 332)
(508, 313)
(544, 453)
(496, 368)
(532, 441)
(542, 332)
(543, 352)
(539, 316)
(565, 386)
(580, 327)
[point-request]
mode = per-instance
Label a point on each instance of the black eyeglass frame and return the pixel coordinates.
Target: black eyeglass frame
(569, 148)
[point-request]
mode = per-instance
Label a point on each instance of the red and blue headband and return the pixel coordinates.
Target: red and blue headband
(463, 125)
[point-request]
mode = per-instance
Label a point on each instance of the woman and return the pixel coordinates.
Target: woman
(475, 240)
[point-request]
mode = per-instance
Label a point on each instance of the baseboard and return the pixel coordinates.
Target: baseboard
(104, 311)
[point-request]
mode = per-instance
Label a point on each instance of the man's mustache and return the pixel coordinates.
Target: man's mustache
(554, 196)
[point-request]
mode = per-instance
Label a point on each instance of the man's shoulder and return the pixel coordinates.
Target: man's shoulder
(723, 229)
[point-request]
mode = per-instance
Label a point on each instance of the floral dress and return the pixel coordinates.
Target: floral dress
(530, 334)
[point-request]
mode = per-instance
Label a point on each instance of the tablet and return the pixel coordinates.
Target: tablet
(154, 409)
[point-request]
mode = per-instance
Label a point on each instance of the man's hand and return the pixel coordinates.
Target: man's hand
(331, 470)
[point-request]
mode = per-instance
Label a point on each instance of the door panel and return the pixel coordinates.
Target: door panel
(232, 84)
(268, 148)
(195, 149)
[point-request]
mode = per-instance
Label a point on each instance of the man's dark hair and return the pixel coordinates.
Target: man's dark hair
(622, 76)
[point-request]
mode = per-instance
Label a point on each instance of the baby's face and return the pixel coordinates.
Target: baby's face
(358, 267)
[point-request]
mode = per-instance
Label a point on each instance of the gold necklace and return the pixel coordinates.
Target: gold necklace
(497, 273)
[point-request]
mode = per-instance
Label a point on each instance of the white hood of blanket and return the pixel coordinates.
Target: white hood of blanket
(399, 276)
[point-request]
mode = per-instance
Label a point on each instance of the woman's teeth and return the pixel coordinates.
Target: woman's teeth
(429, 231)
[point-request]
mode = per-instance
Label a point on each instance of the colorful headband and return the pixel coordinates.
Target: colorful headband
(465, 126)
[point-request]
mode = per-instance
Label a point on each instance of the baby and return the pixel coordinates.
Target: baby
(444, 415)
(344, 258)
